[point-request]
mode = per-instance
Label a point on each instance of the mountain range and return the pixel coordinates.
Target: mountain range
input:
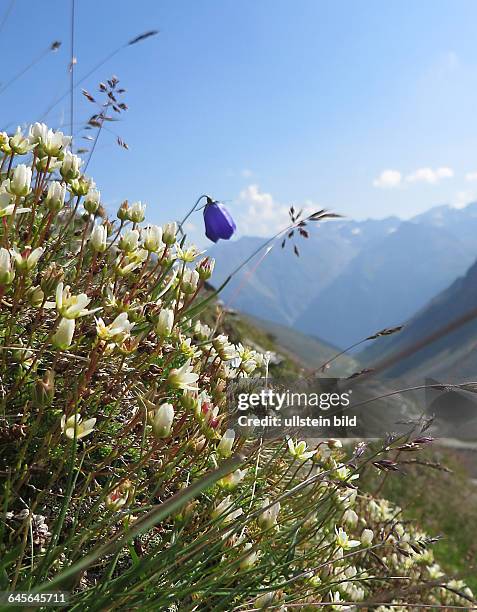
(352, 277)
(451, 356)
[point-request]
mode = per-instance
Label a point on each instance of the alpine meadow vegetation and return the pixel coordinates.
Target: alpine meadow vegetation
(121, 480)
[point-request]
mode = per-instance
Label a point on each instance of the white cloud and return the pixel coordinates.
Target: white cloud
(258, 214)
(428, 175)
(471, 176)
(463, 198)
(388, 179)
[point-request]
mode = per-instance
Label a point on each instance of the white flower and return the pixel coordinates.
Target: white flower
(165, 323)
(75, 422)
(28, 259)
(183, 377)
(20, 184)
(169, 231)
(343, 541)
(71, 306)
(202, 331)
(98, 238)
(19, 144)
(224, 508)
(53, 142)
(350, 517)
(233, 479)
(37, 132)
(7, 273)
(344, 473)
(435, 571)
(367, 537)
(188, 254)
(91, 201)
(70, 167)
(161, 420)
(129, 241)
(269, 516)
(152, 238)
(226, 442)
(225, 349)
(298, 450)
(64, 334)
(136, 212)
(55, 198)
(117, 331)
(265, 600)
(190, 280)
(249, 560)
(129, 263)
(399, 529)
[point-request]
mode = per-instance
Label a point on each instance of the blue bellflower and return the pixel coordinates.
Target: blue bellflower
(218, 221)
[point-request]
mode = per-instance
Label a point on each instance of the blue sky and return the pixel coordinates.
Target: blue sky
(368, 108)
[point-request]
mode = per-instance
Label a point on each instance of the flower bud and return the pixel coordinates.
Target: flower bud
(44, 390)
(80, 186)
(70, 167)
(161, 420)
(98, 239)
(202, 331)
(152, 238)
(367, 537)
(205, 268)
(190, 281)
(129, 241)
(249, 560)
(7, 274)
(268, 518)
(64, 334)
(91, 202)
(189, 402)
(165, 323)
(226, 442)
(20, 184)
(169, 231)
(55, 197)
(187, 512)
(123, 211)
(136, 212)
(35, 296)
(350, 517)
(119, 496)
(27, 259)
(4, 146)
(264, 601)
(37, 132)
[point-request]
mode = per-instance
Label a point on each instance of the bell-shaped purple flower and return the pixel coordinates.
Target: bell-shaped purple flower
(218, 221)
